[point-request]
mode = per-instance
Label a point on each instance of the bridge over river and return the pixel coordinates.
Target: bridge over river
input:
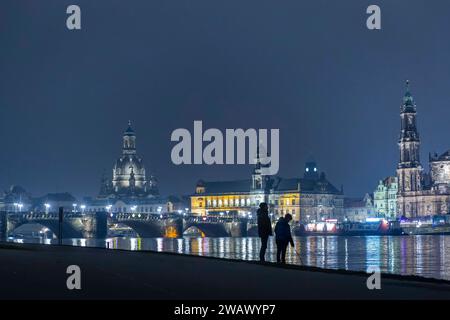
(146, 225)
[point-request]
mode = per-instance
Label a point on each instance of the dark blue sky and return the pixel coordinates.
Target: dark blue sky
(310, 68)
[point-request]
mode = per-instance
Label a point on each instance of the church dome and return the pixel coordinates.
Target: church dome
(129, 176)
(124, 164)
(18, 190)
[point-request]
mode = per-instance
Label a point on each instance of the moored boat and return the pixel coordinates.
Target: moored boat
(330, 227)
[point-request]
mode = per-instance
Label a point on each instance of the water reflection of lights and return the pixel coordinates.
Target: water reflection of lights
(346, 253)
(133, 244)
(221, 248)
(391, 257)
(159, 244)
(180, 245)
(322, 252)
(199, 245)
(420, 255)
(372, 251)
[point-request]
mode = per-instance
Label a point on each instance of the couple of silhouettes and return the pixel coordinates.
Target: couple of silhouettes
(282, 233)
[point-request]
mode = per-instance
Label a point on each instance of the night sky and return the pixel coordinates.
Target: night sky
(310, 68)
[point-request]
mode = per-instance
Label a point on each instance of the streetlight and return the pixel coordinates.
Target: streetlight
(20, 206)
(82, 208)
(47, 207)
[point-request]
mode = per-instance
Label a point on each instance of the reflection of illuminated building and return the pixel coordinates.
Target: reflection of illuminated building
(312, 197)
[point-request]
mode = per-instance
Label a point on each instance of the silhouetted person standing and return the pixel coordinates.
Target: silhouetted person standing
(283, 237)
(264, 228)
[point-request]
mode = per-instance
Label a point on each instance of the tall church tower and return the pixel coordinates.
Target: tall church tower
(260, 182)
(258, 179)
(409, 169)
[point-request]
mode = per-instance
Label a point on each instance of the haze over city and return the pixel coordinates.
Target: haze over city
(334, 90)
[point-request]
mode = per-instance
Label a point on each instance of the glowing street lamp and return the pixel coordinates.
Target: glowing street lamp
(20, 206)
(82, 208)
(74, 205)
(47, 207)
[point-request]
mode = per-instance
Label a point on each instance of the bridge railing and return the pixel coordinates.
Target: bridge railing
(45, 215)
(184, 216)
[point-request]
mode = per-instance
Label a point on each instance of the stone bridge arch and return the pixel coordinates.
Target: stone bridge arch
(155, 228)
(145, 229)
(208, 229)
(68, 230)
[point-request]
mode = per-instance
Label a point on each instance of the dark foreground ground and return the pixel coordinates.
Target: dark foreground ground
(39, 272)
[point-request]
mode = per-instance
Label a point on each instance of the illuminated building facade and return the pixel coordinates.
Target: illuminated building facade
(16, 199)
(309, 198)
(419, 193)
(385, 198)
(359, 209)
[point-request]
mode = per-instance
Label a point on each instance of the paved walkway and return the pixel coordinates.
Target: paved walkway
(39, 272)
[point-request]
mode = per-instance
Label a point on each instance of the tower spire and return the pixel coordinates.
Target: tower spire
(409, 169)
(129, 140)
(408, 100)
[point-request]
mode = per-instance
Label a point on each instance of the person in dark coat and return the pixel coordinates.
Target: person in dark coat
(283, 237)
(264, 228)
